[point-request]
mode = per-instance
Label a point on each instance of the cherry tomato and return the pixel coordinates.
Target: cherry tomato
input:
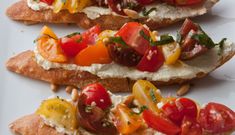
(175, 110)
(160, 124)
(130, 33)
(113, 4)
(145, 2)
(152, 60)
(217, 118)
(49, 2)
(73, 45)
(190, 127)
(92, 34)
(187, 26)
(98, 94)
(126, 120)
(183, 2)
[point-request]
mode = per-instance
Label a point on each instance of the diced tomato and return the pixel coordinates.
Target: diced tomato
(190, 127)
(183, 2)
(160, 124)
(152, 60)
(73, 45)
(93, 54)
(115, 6)
(145, 2)
(49, 2)
(126, 120)
(217, 118)
(187, 26)
(177, 109)
(92, 34)
(98, 94)
(130, 33)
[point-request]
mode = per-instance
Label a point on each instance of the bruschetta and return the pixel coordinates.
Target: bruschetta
(109, 14)
(118, 58)
(144, 112)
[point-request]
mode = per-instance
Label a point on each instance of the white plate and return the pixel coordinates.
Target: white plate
(20, 96)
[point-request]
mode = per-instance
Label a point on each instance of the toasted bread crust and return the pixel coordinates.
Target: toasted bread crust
(25, 64)
(21, 12)
(32, 125)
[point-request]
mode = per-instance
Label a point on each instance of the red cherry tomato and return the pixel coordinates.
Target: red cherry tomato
(130, 33)
(145, 2)
(217, 118)
(71, 46)
(98, 94)
(159, 123)
(92, 34)
(187, 26)
(190, 127)
(183, 2)
(152, 60)
(115, 6)
(177, 109)
(49, 2)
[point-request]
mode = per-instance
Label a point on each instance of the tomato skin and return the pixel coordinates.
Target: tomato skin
(187, 26)
(190, 126)
(216, 118)
(71, 46)
(91, 34)
(49, 2)
(159, 123)
(177, 109)
(98, 94)
(130, 33)
(152, 60)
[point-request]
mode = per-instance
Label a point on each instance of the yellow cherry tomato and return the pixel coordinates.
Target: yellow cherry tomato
(48, 31)
(147, 94)
(58, 5)
(60, 112)
(171, 52)
(126, 120)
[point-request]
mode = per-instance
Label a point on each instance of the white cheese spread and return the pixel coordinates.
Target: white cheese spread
(163, 10)
(183, 70)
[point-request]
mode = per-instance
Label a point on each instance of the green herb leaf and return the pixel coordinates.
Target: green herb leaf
(79, 40)
(146, 13)
(204, 39)
(152, 95)
(73, 34)
(118, 40)
(164, 39)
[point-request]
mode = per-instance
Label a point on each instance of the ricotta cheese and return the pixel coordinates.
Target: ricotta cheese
(37, 5)
(183, 70)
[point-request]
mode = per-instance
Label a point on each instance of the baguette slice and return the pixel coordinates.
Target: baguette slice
(25, 64)
(168, 15)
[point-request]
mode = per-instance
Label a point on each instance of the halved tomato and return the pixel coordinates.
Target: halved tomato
(130, 33)
(190, 126)
(160, 123)
(126, 120)
(177, 109)
(217, 118)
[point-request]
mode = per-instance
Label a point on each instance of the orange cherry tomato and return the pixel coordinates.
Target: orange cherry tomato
(126, 121)
(93, 54)
(50, 49)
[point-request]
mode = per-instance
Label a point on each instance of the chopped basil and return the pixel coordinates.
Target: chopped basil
(152, 95)
(118, 40)
(221, 45)
(146, 13)
(131, 5)
(79, 40)
(73, 34)
(142, 108)
(164, 39)
(204, 39)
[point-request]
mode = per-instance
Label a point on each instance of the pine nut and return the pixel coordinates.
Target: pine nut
(74, 95)
(131, 13)
(54, 87)
(183, 90)
(69, 89)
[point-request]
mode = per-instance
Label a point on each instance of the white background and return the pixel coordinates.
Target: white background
(20, 96)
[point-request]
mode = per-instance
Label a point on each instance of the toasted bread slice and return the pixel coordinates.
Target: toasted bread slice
(25, 64)
(21, 12)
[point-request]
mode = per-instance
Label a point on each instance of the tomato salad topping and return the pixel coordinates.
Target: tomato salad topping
(117, 6)
(134, 46)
